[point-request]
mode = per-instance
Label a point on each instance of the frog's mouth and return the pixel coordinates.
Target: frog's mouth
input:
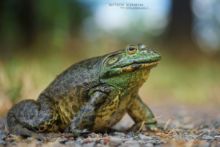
(135, 66)
(138, 66)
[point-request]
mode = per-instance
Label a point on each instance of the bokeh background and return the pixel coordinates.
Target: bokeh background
(39, 39)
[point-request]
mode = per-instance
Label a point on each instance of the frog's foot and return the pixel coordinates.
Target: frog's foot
(143, 126)
(152, 127)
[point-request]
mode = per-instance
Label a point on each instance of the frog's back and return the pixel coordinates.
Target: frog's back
(75, 81)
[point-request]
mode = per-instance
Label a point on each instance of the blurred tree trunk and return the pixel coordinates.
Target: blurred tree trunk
(27, 16)
(77, 15)
(1, 15)
(179, 34)
(29, 25)
(1, 25)
(17, 24)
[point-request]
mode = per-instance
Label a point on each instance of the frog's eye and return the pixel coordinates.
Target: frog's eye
(112, 60)
(131, 50)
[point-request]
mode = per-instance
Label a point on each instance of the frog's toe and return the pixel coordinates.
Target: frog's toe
(152, 127)
(136, 128)
(142, 126)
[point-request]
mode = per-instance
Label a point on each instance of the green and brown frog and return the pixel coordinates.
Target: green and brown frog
(92, 95)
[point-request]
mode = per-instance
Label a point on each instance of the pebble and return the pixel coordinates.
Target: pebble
(217, 137)
(148, 145)
(144, 137)
(2, 137)
(90, 144)
(115, 141)
(73, 143)
(207, 137)
(62, 140)
(101, 145)
(130, 143)
(120, 134)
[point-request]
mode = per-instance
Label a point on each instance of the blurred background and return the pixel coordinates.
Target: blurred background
(39, 39)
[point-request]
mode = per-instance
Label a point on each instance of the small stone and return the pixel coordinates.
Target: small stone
(62, 140)
(148, 145)
(3, 135)
(217, 137)
(119, 134)
(130, 143)
(106, 140)
(144, 137)
(94, 135)
(73, 143)
(79, 140)
(207, 137)
(100, 145)
(91, 144)
(115, 141)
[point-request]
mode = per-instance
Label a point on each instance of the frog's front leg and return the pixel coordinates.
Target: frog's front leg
(29, 116)
(142, 115)
(85, 118)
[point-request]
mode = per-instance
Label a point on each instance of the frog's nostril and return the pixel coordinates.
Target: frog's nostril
(141, 46)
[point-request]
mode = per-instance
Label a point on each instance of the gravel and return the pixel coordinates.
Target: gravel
(183, 130)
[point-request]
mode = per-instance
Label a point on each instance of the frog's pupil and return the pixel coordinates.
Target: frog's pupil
(131, 48)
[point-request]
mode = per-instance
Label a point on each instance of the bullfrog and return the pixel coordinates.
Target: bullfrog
(92, 95)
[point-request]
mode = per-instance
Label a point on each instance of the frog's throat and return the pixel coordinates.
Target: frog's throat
(129, 68)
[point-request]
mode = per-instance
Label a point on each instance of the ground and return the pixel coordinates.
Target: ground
(180, 125)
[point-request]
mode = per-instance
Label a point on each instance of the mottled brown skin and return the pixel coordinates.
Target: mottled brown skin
(92, 95)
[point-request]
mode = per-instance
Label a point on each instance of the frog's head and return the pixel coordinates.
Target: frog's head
(129, 60)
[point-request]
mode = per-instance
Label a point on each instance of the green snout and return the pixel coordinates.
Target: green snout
(150, 55)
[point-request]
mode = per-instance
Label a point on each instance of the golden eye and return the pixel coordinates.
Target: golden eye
(112, 60)
(131, 50)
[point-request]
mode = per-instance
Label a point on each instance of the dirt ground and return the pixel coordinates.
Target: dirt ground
(178, 126)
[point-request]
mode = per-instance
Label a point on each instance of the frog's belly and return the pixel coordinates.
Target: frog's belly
(108, 115)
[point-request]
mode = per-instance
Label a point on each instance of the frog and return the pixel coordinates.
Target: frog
(91, 95)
